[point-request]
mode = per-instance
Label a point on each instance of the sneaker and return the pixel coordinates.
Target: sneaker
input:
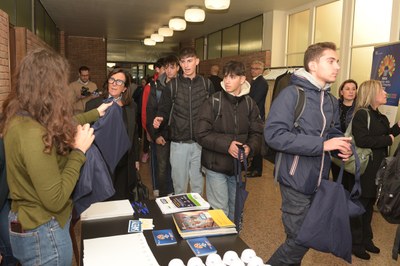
(156, 193)
(145, 157)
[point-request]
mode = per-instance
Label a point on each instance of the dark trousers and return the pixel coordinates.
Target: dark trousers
(163, 169)
(294, 209)
(361, 230)
(257, 164)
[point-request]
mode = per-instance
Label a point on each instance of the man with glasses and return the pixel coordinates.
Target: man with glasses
(82, 90)
(258, 91)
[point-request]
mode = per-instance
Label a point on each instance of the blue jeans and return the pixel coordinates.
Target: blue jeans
(186, 166)
(5, 245)
(221, 192)
(48, 244)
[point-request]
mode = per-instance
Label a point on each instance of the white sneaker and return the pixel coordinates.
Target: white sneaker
(156, 193)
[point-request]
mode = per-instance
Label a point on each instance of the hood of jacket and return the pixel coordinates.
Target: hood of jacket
(244, 89)
(301, 75)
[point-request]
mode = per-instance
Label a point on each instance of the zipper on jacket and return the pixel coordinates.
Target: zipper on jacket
(322, 133)
(294, 165)
(190, 110)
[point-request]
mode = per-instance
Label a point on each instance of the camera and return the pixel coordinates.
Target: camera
(85, 91)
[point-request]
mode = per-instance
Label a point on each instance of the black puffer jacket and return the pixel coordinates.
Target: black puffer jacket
(239, 119)
(180, 105)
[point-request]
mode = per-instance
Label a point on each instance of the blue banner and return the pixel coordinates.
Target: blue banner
(384, 69)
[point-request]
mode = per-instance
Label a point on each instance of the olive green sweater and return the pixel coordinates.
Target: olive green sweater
(40, 184)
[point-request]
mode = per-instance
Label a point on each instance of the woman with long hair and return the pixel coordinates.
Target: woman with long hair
(45, 149)
(119, 91)
(378, 136)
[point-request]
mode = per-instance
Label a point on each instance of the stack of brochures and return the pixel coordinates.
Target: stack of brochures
(107, 209)
(203, 223)
(182, 202)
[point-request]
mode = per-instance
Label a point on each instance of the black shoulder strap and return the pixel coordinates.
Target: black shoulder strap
(216, 105)
(249, 103)
(173, 98)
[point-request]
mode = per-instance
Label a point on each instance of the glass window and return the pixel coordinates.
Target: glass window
(298, 37)
(199, 43)
(214, 45)
(328, 22)
(251, 35)
(39, 19)
(24, 14)
(8, 6)
(361, 62)
(372, 21)
(295, 59)
(230, 44)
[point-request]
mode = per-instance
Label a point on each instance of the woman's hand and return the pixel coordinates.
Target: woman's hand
(84, 137)
(103, 107)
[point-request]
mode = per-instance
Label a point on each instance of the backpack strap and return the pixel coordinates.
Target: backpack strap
(216, 105)
(300, 105)
(173, 97)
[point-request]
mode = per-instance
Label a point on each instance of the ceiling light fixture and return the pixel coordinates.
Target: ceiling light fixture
(149, 42)
(177, 24)
(195, 14)
(217, 4)
(165, 31)
(157, 37)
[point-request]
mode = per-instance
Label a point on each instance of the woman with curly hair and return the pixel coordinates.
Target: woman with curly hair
(45, 149)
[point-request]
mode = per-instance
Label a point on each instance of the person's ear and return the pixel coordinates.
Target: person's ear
(242, 79)
(312, 66)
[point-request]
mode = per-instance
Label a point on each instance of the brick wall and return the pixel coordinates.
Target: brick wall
(5, 76)
(263, 56)
(91, 52)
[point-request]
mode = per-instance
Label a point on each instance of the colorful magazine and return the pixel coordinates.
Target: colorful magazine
(182, 202)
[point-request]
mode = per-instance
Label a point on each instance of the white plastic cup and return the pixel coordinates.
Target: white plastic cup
(195, 261)
(176, 262)
(247, 255)
(256, 261)
(214, 260)
(237, 262)
(229, 257)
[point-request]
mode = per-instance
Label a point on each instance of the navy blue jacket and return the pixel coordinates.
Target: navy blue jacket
(302, 159)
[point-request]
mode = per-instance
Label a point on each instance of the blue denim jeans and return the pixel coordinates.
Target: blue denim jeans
(48, 244)
(186, 167)
(221, 192)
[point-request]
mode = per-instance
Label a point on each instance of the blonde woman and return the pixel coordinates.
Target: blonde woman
(378, 137)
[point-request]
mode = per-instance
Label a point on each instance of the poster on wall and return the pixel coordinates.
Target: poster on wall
(384, 68)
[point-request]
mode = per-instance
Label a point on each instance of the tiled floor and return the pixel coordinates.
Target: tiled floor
(263, 230)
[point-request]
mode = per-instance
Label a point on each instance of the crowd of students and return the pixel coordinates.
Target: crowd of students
(46, 138)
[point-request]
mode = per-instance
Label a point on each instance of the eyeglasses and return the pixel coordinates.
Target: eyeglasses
(116, 81)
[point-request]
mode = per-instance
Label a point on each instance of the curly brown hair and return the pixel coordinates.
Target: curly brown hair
(40, 91)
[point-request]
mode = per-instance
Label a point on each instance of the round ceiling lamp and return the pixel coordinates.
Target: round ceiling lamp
(195, 14)
(157, 37)
(177, 24)
(217, 4)
(165, 31)
(149, 42)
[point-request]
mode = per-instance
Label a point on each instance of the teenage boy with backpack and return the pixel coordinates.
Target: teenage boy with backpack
(303, 149)
(230, 118)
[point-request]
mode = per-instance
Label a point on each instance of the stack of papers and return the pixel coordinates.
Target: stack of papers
(203, 223)
(182, 202)
(131, 249)
(107, 209)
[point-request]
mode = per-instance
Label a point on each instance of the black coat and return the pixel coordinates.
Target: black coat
(238, 121)
(377, 139)
(258, 91)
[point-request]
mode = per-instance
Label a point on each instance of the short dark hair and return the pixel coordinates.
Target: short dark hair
(315, 51)
(187, 52)
(234, 67)
(159, 63)
(83, 68)
(171, 60)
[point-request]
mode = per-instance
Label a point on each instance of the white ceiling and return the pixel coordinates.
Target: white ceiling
(125, 23)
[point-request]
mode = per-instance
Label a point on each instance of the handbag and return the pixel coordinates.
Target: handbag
(363, 153)
(326, 226)
(140, 191)
(241, 192)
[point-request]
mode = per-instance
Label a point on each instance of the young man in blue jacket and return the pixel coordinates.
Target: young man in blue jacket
(303, 150)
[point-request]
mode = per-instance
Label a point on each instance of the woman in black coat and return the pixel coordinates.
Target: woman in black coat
(378, 137)
(119, 90)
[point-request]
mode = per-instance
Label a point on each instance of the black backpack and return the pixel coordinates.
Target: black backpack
(388, 181)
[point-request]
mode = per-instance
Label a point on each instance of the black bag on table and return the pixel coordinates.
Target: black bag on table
(140, 191)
